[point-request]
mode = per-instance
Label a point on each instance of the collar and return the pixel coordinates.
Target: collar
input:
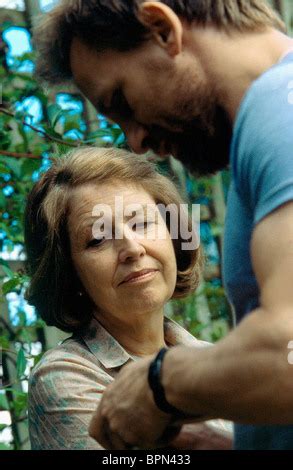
(110, 352)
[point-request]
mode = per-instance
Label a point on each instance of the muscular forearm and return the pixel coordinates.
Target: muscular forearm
(246, 377)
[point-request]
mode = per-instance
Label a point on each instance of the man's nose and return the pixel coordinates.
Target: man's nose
(137, 137)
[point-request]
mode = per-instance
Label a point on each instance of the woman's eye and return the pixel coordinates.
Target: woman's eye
(95, 242)
(143, 224)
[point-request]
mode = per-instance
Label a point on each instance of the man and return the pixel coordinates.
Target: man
(206, 81)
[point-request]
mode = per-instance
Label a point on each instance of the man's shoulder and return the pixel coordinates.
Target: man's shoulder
(262, 143)
(262, 133)
(275, 77)
(269, 99)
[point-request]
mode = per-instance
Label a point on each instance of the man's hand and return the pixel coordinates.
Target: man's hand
(128, 416)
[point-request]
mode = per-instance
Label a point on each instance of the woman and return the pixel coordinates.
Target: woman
(103, 273)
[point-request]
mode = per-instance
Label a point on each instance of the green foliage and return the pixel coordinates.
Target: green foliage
(20, 363)
(5, 446)
(3, 402)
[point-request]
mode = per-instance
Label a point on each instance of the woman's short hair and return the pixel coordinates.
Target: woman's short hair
(54, 284)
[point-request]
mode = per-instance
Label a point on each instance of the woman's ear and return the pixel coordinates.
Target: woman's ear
(164, 25)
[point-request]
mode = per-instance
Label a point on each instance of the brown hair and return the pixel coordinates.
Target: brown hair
(54, 283)
(114, 24)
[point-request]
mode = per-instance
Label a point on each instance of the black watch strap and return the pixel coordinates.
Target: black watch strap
(154, 379)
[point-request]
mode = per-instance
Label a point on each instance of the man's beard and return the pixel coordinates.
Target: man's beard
(202, 147)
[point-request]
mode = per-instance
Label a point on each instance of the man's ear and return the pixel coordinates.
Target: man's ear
(164, 25)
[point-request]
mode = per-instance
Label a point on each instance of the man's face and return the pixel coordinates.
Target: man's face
(161, 103)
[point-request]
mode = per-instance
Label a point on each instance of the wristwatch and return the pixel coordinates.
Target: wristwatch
(154, 380)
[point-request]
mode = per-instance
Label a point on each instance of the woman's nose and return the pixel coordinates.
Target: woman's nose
(130, 248)
(136, 135)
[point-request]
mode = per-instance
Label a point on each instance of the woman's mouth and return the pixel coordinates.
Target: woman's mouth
(142, 278)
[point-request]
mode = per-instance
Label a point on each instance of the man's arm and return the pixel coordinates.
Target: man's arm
(246, 377)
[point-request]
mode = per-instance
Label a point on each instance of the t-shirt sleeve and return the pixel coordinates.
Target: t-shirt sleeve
(262, 147)
(63, 395)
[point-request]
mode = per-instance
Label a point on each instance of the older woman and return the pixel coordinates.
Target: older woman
(104, 276)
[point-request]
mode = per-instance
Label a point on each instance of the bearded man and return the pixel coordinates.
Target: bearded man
(208, 81)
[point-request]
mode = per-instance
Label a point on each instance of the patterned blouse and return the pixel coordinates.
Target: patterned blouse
(66, 386)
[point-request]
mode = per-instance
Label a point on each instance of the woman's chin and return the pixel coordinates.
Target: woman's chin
(144, 303)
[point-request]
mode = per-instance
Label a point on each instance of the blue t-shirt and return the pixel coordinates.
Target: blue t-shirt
(262, 180)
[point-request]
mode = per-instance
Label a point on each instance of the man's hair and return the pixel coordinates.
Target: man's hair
(114, 24)
(54, 284)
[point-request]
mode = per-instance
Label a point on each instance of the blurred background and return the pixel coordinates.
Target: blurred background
(36, 123)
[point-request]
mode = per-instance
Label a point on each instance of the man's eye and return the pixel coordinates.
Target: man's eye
(120, 105)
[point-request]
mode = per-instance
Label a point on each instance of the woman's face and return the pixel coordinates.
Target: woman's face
(102, 266)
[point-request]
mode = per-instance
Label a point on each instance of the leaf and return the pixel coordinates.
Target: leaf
(39, 323)
(25, 334)
(3, 426)
(3, 200)
(55, 135)
(5, 140)
(15, 391)
(3, 402)
(5, 446)
(6, 268)
(15, 166)
(22, 318)
(20, 363)
(55, 112)
(10, 285)
(72, 122)
(38, 358)
(116, 133)
(19, 115)
(61, 149)
(4, 342)
(20, 404)
(29, 165)
(3, 169)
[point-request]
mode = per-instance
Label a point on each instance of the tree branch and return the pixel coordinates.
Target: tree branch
(8, 327)
(20, 155)
(44, 133)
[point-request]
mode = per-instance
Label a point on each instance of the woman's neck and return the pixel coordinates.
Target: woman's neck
(142, 335)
